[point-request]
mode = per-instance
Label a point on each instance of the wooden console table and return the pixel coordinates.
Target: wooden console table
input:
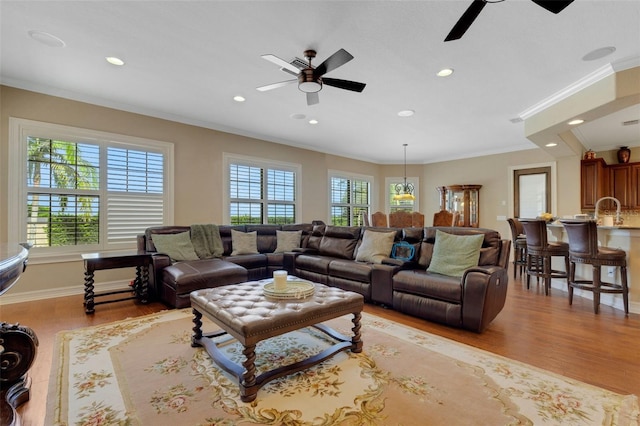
(114, 260)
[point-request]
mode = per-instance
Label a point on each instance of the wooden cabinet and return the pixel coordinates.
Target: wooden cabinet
(598, 180)
(594, 180)
(620, 186)
(464, 199)
(634, 186)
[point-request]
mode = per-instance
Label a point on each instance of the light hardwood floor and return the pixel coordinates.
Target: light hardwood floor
(544, 331)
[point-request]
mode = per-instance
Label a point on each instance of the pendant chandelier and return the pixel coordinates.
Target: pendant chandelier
(404, 191)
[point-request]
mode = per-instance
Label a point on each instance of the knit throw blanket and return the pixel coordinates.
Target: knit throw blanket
(206, 241)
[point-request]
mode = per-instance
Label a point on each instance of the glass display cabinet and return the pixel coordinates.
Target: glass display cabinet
(464, 199)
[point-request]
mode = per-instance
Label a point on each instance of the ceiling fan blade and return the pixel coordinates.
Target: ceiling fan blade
(466, 20)
(275, 85)
(312, 98)
(554, 6)
(334, 61)
(344, 84)
(282, 63)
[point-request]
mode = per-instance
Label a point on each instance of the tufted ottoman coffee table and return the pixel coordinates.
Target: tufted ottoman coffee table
(244, 312)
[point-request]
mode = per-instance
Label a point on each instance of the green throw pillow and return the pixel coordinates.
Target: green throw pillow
(453, 254)
(375, 246)
(176, 246)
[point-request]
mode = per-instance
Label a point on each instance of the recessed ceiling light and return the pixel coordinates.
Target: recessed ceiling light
(46, 38)
(599, 53)
(445, 72)
(406, 113)
(115, 61)
(298, 116)
(575, 122)
(239, 98)
(313, 121)
(550, 144)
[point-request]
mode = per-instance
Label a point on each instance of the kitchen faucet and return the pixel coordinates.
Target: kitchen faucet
(618, 220)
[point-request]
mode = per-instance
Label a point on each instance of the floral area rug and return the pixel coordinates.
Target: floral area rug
(143, 371)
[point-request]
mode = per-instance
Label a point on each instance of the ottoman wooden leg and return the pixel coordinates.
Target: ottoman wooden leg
(356, 341)
(197, 329)
(248, 387)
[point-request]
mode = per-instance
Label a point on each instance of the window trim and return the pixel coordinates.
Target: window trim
(20, 129)
(331, 173)
(246, 160)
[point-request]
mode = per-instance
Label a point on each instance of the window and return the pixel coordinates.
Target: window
(399, 203)
(350, 199)
(261, 192)
(78, 190)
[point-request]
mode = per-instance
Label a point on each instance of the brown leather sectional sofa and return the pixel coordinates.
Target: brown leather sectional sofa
(327, 255)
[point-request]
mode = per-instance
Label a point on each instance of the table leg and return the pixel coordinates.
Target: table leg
(356, 341)
(197, 329)
(141, 283)
(248, 388)
(88, 292)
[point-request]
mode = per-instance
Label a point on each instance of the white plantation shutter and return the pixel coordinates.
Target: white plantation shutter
(135, 193)
(129, 215)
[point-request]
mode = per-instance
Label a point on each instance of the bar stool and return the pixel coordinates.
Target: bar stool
(540, 251)
(519, 241)
(583, 248)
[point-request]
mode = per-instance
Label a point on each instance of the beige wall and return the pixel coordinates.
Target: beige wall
(198, 159)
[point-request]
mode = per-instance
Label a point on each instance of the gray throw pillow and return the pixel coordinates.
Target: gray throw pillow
(375, 246)
(454, 254)
(287, 240)
(244, 242)
(176, 246)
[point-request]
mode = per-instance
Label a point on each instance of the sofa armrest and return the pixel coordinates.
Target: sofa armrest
(382, 283)
(401, 264)
(484, 291)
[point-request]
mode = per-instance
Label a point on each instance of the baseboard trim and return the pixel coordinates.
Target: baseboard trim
(31, 296)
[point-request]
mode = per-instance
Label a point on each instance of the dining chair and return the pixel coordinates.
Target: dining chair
(379, 219)
(443, 218)
(400, 219)
(417, 220)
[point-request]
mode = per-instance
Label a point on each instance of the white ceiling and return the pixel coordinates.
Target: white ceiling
(185, 61)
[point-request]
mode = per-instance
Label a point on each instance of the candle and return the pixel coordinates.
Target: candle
(280, 280)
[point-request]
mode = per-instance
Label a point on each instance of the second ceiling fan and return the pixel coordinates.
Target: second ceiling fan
(470, 15)
(310, 79)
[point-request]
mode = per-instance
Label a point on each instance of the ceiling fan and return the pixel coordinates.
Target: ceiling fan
(467, 18)
(311, 79)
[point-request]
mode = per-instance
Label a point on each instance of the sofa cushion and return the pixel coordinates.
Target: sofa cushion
(427, 285)
(375, 246)
(350, 270)
(316, 237)
(176, 246)
(287, 240)
(340, 241)
(244, 242)
(266, 236)
(453, 254)
(314, 263)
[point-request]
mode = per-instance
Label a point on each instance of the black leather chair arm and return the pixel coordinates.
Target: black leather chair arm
(484, 291)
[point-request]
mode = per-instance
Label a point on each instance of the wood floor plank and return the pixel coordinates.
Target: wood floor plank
(543, 331)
